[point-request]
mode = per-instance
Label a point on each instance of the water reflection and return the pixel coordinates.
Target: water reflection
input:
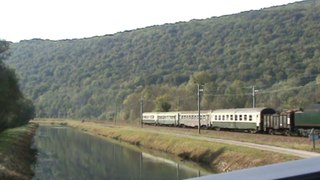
(65, 153)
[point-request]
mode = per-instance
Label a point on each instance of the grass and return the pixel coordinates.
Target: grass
(217, 155)
(293, 142)
(16, 156)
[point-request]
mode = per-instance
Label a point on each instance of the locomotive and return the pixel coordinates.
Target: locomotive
(299, 122)
(262, 120)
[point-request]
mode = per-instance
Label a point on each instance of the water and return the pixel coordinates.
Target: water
(66, 153)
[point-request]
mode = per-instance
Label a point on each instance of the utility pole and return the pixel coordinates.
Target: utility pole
(178, 103)
(199, 118)
(115, 114)
(141, 115)
(254, 91)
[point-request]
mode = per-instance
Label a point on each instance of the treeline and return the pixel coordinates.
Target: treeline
(276, 49)
(15, 110)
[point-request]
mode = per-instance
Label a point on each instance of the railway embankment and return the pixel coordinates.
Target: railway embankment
(16, 155)
(218, 155)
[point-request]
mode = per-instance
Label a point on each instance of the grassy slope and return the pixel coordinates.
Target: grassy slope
(16, 156)
(292, 142)
(220, 156)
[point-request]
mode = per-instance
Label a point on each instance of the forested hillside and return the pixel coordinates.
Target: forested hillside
(276, 49)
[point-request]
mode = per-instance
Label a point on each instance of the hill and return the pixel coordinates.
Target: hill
(276, 49)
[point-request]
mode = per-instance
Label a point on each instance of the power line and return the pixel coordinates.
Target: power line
(260, 91)
(287, 89)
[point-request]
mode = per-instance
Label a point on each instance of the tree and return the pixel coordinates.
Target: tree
(236, 96)
(132, 106)
(15, 110)
(201, 77)
(162, 104)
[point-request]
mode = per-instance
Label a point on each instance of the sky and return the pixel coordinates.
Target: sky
(69, 19)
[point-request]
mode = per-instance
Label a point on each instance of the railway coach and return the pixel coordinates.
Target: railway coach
(168, 118)
(150, 118)
(191, 118)
(248, 119)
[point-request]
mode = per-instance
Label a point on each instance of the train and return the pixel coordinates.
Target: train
(254, 120)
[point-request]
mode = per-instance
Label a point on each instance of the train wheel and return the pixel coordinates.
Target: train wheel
(203, 127)
(253, 131)
(287, 133)
(271, 132)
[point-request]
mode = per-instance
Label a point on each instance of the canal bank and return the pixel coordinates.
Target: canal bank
(16, 154)
(67, 152)
(219, 156)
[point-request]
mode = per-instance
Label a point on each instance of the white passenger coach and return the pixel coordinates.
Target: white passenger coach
(248, 119)
(240, 118)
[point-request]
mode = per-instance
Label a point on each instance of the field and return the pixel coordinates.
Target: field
(219, 156)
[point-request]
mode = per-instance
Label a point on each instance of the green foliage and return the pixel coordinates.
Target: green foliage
(15, 110)
(89, 78)
(201, 78)
(162, 104)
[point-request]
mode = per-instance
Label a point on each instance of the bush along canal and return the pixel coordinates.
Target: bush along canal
(65, 152)
(16, 154)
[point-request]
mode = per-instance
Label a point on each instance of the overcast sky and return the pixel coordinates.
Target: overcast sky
(67, 19)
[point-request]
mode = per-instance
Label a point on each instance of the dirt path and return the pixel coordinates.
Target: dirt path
(293, 152)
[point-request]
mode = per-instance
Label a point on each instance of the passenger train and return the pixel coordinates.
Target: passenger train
(263, 120)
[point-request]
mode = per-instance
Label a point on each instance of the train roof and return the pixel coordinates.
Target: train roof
(245, 110)
(195, 112)
(172, 112)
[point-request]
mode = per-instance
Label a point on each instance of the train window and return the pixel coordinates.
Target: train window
(245, 117)
(240, 117)
(236, 117)
(227, 117)
(250, 117)
(231, 117)
(223, 117)
(215, 117)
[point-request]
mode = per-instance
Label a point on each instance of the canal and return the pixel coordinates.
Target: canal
(66, 153)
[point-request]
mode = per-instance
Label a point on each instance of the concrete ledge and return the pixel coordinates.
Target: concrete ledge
(299, 169)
